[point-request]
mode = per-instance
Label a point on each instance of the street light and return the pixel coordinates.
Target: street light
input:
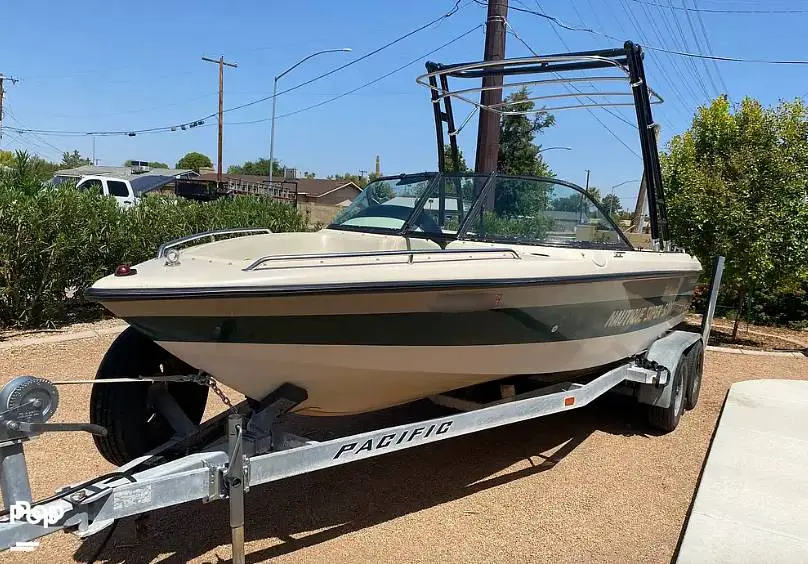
(275, 97)
(625, 182)
(541, 150)
(612, 192)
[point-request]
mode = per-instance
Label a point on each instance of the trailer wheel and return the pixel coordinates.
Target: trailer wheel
(694, 358)
(667, 418)
(134, 427)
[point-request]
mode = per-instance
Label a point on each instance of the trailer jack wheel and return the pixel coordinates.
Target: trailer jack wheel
(667, 418)
(127, 410)
(694, 358)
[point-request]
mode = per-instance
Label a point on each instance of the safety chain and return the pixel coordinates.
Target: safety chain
(208, 380)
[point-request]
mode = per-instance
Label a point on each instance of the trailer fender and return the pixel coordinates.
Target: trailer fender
(667, 352)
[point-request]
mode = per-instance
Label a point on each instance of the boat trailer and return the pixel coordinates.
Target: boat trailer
(247, 445)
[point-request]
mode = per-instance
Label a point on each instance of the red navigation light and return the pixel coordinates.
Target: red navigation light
(125, 270)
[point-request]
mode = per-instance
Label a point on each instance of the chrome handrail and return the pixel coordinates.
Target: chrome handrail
(188, 238)
(361, 254)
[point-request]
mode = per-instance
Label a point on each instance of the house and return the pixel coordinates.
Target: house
(304, 190)
(123, 172)
(320, 199)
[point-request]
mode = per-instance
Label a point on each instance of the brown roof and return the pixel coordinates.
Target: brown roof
(312, 187)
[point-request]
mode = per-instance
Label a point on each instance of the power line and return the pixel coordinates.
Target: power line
(200, 121)
(671, 80)
(718, 11)
(366, 84)
(567, 86)
(676, 62)
(685, 45)
(606, 127)
(696, 43)
(572, 27)
(707, 42)
(12, 80)
(448, 14)
(674, 85)
(36, 136)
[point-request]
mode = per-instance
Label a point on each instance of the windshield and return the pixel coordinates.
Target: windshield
(524, 210)
(541, 211)
(385, 203)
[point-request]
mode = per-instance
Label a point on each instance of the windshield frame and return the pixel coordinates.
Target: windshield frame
(462, 231)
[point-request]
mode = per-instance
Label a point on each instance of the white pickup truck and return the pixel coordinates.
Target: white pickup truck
(119, 188)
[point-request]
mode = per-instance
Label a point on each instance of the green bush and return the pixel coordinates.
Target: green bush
(785, 309)
(54, 243)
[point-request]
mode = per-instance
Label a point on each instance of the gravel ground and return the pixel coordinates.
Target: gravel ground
(17, 335)
(590, 485)
(753, 336)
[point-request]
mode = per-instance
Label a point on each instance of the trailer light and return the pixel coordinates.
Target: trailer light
(125, 270)
(568, 401)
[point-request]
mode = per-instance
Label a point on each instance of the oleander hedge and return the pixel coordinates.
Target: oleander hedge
(55, 242)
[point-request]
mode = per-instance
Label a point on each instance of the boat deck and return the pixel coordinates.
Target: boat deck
(752, 502)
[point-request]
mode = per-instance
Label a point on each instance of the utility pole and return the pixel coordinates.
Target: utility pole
(2, 93)
(221, 62)
(581, 210)
(488, 130)
(639, 208)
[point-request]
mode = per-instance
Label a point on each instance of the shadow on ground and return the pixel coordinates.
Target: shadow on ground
(368, 492)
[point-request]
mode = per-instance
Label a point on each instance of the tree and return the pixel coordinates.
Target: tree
(74, 160)
(25, 172)
(449, 162)
(570, 203)
(152, 164)
(594, 193)
(7, 159)
(612, 205)
(357, 179)
(40, 168)
(518, 155)
(308, 174)
(259, 167)
(736, 186)
(194, 161)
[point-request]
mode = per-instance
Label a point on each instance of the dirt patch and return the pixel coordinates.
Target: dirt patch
(752, 337)
(557, 489)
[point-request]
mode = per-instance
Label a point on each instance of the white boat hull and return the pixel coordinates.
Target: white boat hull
(365, 332)
(344, 379)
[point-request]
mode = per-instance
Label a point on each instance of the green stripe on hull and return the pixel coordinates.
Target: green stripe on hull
(503, 326)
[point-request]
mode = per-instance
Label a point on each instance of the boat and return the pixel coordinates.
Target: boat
(427, 283)
(388, 304)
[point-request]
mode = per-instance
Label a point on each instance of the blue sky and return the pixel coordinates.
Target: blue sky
(97, 65)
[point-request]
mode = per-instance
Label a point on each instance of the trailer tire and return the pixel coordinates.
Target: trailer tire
(667, 418)
(133, 427)
(695, 360)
